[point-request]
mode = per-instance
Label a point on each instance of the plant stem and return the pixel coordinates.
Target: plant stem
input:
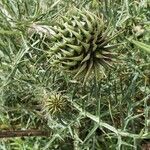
(111, 128)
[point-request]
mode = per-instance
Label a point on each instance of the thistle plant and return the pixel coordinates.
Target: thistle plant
(44, 44)
(81, 45)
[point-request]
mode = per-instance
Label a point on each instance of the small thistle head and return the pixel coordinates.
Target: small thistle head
(81, 45)
(54, 104)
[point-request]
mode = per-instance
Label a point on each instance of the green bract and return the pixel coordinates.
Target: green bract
(81, 45)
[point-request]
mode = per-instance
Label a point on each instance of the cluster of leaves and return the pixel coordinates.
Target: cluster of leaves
(113, 113)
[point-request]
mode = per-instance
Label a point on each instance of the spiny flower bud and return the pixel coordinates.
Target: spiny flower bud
(54, 104)
(81, 45)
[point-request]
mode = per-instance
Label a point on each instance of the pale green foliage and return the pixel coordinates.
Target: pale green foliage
(112, 113)
(142, 46)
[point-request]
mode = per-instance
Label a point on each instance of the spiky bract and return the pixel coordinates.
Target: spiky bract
(81, 45)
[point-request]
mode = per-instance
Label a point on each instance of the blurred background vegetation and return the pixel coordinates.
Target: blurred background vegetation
(113, 113)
